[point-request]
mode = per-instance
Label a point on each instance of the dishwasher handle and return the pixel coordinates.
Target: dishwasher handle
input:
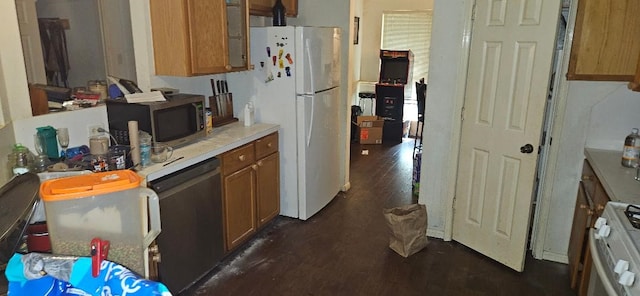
(154, 215)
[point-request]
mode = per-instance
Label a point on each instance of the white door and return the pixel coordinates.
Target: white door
(510, 60)
(31, 45)
(318, 158)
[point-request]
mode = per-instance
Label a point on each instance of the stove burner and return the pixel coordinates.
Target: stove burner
(633, 214)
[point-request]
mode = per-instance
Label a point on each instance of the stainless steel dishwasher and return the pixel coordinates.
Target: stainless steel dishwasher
(191, 241)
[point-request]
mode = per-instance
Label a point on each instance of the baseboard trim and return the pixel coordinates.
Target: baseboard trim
(435, 233)
(555, 257)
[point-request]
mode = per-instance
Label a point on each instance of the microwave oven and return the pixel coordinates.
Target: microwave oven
(174, 122)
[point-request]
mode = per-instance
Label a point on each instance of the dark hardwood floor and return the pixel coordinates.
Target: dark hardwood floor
(343, 250)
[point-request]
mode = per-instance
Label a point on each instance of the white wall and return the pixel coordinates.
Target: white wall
(76, 121)
(613, 117)
(441, 113)
(597, 115)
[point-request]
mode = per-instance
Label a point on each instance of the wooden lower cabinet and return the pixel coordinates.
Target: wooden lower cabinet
(590, 203)
(268, 188)
(251, 189)
(239, 206)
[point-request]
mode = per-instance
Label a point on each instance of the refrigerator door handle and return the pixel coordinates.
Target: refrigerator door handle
(307, 47)
(311, 98)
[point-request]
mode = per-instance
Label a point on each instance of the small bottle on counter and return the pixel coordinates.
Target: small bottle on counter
(248, 114)
(631, 150)
(145, 149)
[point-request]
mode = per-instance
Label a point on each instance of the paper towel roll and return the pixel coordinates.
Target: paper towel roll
(134, 143)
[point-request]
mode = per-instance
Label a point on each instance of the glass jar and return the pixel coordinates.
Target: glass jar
(20, 160)
(99, 87)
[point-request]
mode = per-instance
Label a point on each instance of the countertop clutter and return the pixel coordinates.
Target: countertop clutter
(617, 181)
(222, 139)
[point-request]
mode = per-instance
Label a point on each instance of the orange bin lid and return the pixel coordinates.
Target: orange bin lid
(88, 185)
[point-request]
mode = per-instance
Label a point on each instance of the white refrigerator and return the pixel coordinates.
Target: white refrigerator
(296, 80)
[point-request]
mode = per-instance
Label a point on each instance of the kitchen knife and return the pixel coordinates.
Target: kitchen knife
(227, 99)
(219, 98)
(224, 98)
(215, 98)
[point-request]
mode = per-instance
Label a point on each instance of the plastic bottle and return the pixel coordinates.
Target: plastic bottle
(278, 11)
(248, 114)
(145, 149)
(631, 150)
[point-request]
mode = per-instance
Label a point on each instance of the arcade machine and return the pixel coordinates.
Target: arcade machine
(395, 73)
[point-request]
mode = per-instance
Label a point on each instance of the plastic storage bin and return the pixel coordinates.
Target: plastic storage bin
(111, 206)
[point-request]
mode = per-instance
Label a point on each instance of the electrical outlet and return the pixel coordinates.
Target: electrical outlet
(92, 130)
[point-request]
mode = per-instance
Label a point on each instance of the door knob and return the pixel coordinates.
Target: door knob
(526, 148)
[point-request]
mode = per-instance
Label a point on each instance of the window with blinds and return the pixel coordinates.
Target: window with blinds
(409, 30)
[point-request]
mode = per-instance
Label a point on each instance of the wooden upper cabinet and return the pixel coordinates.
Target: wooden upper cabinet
(606, 42)
(199, 37)
(263, 7)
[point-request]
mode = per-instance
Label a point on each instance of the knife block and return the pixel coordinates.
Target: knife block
(221, 109)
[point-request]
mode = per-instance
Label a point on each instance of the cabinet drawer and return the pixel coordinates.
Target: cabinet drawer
(238, 158)
(266, 145)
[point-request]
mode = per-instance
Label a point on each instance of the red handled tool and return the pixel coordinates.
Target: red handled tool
(99, 252)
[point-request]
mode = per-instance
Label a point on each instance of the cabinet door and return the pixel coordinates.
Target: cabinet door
(268, 183)
(263, 7)
(189, 37)
(239, 203)
(208, 34)
(578, 240)
(237, 35)
(606, 42)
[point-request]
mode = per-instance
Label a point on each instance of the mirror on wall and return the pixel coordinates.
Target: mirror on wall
(66, 43)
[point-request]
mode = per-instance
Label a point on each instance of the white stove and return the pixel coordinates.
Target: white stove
(615, 249)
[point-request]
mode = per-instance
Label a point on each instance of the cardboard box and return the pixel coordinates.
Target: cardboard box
(370, 129)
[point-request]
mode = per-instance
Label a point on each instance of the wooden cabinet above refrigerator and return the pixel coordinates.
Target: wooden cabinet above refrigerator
(263, 7)
(606, 42)
(199, 37)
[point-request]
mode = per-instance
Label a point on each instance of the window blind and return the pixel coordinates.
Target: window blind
(409, 30)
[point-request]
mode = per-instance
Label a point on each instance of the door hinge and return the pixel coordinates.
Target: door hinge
(462, 114)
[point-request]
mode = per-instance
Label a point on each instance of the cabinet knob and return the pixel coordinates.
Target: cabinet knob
(586, 207)
(156, 258)
(154, 249)
(259, 163)
(586, 177)
(269, 145)
(228, 67)
(599, 207)
(254, 167)
(242, 157)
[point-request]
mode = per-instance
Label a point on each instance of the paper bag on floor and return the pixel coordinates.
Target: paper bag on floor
(408, 228)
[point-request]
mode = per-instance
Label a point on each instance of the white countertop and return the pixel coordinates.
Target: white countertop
(618, 181)
(222, 139)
